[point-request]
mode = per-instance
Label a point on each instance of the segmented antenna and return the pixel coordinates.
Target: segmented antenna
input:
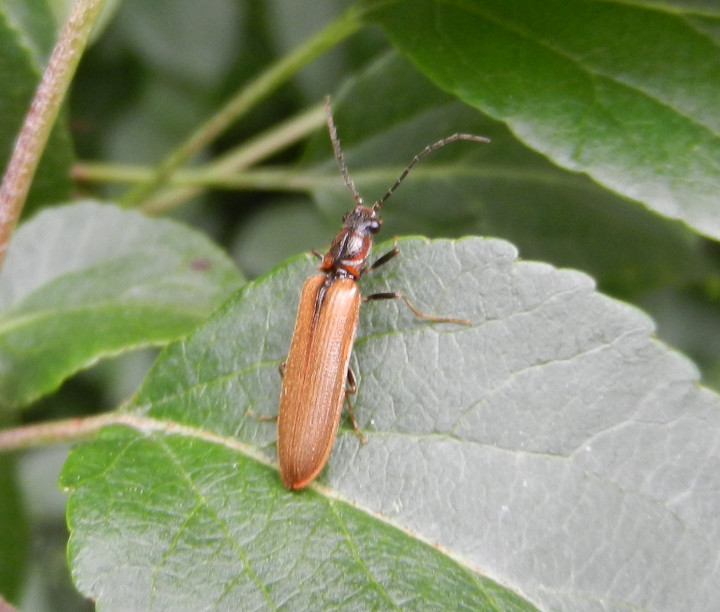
(339, 154)
(427, 150)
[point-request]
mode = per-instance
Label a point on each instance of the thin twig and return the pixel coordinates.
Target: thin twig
(80, 429)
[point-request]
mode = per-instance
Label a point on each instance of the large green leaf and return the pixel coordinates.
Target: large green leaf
(26, 35)
(624, 92)
(86, 281)
(553, 446)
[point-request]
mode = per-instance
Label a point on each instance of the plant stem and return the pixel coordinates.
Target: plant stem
(187, 183)
(79, 429)
(42, 114)
(67, 430)
(244, 156)
(245, 99)
(272, 179)
(277, 178)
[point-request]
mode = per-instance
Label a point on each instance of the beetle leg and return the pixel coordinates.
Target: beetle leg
(385, 258)
(415, 311)
(351, 390)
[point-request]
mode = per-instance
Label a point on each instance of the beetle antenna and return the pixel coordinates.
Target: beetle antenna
(427, 150)
(339, 154)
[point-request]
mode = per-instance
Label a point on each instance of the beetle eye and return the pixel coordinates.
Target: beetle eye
(374, 226)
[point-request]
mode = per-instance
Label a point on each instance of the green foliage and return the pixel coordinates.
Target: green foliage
(583, 88)
(556, 447)
(111, 281)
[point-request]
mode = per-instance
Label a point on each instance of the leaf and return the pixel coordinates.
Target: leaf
(499, 189)
(553, 446)
(25, 31)
(87, 281)
(626, 93)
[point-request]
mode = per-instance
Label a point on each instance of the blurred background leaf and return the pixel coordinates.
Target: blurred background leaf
(105, 282)
(583, 88)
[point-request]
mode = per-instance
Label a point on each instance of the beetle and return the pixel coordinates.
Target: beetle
(317, 365)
